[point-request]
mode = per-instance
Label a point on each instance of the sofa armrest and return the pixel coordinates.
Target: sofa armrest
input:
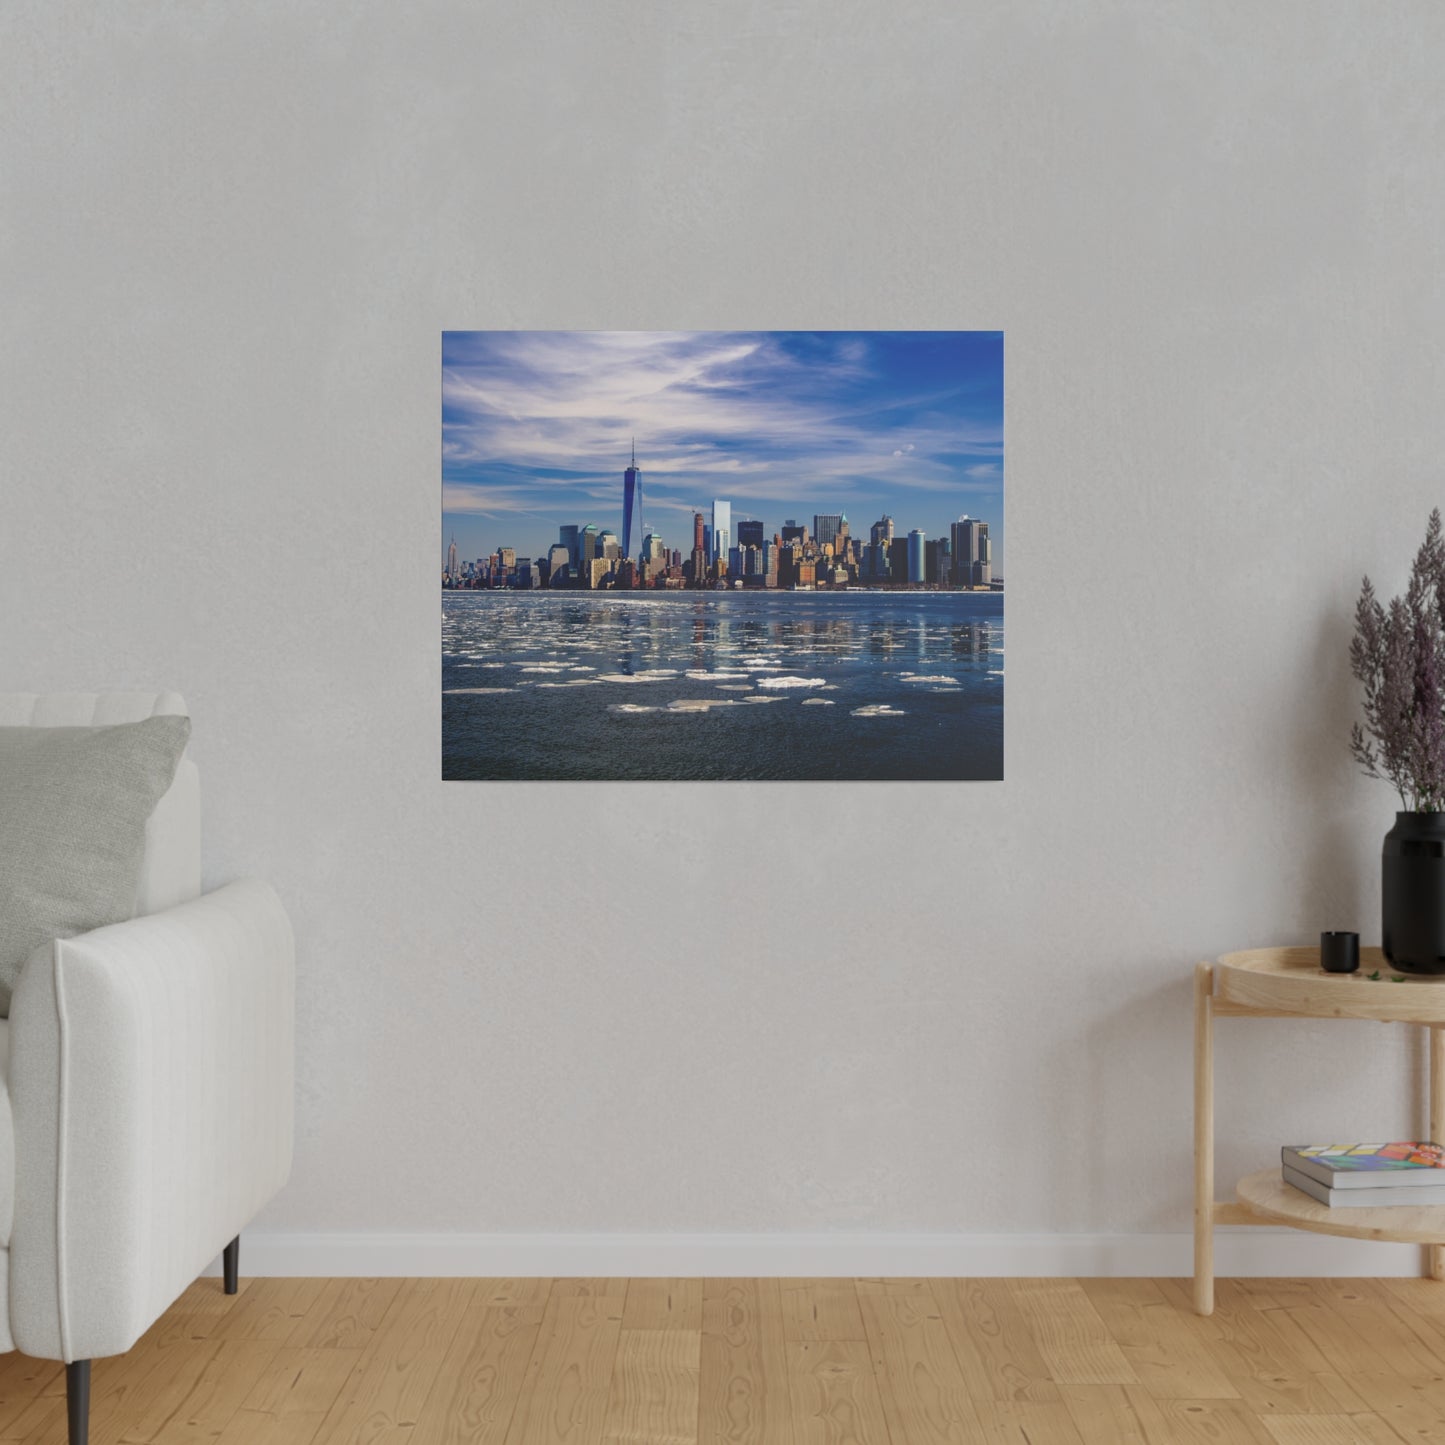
(151, 1081)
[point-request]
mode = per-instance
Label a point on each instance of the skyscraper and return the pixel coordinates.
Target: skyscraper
(722, 528)
(917, 556)
(826, 528)
(983, 568)
(452, 557)
(750, 533)
(631, 490)
(699, 550)
(970, 548)
(568, 537)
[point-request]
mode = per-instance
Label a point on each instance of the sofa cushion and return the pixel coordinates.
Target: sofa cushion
(74, 802)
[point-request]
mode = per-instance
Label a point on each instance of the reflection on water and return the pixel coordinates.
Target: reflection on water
(617, 685)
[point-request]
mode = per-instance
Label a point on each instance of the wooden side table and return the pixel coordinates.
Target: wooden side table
(1289, 983)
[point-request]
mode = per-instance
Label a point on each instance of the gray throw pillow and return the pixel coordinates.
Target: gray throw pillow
(74, 803)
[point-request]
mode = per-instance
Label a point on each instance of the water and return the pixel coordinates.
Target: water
(722, 685)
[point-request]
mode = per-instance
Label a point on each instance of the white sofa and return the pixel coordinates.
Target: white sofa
(147, 1069)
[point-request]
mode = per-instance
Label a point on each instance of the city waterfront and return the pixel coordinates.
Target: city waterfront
(638, 685)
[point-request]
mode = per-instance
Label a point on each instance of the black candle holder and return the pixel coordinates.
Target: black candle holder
(1340, 952)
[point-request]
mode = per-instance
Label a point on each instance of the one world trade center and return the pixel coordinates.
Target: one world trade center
(631, 492)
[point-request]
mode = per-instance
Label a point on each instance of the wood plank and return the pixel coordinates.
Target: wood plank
(514, 1291)
(1110, 1415)
(995, 1349)
(1164, 1345)
(230, 1375)
(1330, 1430)
(1413, 1343)
(918, 1288)
(1413, 1408)
(821, 1309)
(347, 1315)
(570, 1374)
(1335, 1332)
(1073, 1340)
(654, 1397)
(274, 1312)
(1028, 1422)
(663, 1304)
(1207, 1422)
(207, 1297)
(397, 1369)
(593, 1288)
(743, 1374)
(834, 1395)
(925, 1397)
(1268, 1375)
(24, 1380)
(292, 1397)
(480, 1381)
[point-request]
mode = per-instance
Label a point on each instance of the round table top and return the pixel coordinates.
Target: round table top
(1290, 980)
(1267, 1195)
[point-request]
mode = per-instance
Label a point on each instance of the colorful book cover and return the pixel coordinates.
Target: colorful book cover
(1366, 1158)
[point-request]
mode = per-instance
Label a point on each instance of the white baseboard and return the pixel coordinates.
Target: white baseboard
(1243, 1252)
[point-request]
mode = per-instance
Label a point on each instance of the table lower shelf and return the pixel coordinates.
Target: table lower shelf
(1268, 1197)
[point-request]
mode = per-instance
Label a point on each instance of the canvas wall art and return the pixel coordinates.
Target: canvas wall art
(722, 555)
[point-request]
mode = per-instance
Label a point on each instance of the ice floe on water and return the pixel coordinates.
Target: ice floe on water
(653, 674)
(483, 691)
(701, 704)
(792, 682)
(819, 702)
(544, 667)
(573, 682)
(701, 675)
(734, 687)
(690, 704)
(879, 709)
(939, 681)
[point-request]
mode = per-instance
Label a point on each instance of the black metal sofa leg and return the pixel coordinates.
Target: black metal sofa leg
(231, 1264)
(77, 1401)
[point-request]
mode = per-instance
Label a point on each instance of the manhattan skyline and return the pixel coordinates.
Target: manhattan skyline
(538, 428)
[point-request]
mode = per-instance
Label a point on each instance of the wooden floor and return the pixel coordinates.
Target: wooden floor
(765, 1362)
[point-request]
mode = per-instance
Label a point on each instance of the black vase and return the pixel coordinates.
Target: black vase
(1414, 893)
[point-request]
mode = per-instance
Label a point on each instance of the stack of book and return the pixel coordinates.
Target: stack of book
(1367, 1176)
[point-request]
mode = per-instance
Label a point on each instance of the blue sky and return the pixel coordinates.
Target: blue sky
(536, 429)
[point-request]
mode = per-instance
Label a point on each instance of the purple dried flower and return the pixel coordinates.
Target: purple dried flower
(1399, 655)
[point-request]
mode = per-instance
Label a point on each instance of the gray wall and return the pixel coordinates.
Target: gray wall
(230, 237)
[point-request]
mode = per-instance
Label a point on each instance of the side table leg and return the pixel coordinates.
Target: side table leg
(1204, 1138)
(1435, 1254)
